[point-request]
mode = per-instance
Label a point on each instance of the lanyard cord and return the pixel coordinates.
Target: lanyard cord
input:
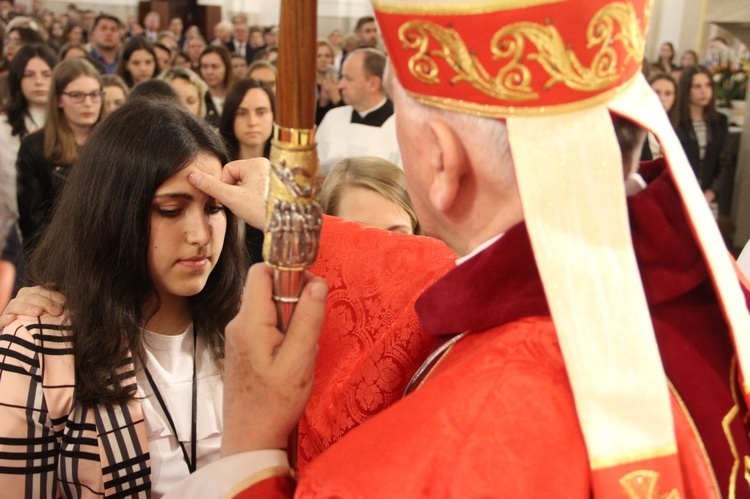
(193, 424)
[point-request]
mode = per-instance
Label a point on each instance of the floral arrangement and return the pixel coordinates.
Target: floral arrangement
(730, 82)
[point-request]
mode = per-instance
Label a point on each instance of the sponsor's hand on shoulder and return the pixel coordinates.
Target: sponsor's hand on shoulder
(34, 302)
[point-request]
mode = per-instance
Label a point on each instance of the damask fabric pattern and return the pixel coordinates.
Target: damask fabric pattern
(496, 416)
(371, 335)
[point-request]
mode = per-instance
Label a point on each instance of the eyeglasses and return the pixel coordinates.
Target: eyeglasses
(80, 97)
(12, 41)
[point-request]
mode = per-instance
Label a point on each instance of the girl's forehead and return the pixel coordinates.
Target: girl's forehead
(204, 163)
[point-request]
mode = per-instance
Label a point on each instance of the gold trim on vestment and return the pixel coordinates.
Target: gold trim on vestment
(457, 8)
(725, 425)
(642, 484)
(632, 457)
(698, 437)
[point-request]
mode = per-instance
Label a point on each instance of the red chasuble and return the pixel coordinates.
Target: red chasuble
(371, 336)
(496, 417)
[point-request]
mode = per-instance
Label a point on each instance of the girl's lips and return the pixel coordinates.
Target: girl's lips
(197, 263)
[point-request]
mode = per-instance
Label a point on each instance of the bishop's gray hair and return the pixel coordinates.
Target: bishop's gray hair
(476, 132)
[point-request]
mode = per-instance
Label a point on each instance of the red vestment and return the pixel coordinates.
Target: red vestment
(496, 417)
(372, 339)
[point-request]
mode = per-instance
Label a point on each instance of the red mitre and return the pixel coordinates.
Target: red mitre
(497, 59)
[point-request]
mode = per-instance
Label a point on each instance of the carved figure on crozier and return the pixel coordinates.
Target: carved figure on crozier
(294, 229)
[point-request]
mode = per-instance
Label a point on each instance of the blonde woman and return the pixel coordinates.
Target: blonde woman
(371, 191)
(329, 95)
(190, 87)
(44, 159)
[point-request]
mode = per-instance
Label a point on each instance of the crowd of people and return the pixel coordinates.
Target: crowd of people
(56, 87)
(164, 104)
(686, 91)
(511, 353)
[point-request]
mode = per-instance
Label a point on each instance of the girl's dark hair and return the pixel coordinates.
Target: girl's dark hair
(658, 57)
(667, 77)
(101, 267)
(27, 35)
(18, 106)
(223, 53)
(135, 43)
(682, 108)
(70, 27)
(231, 104)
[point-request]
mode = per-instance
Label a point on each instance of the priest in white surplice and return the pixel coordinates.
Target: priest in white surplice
(366, 125)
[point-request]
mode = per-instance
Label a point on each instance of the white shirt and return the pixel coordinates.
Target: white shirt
(170, 361)
(338, 138)
(218, 103)
(10, 144)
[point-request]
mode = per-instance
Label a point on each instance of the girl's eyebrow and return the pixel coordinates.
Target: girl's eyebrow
(176, 195)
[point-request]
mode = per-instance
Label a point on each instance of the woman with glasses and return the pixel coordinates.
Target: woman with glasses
(44, 159)
(16, 38)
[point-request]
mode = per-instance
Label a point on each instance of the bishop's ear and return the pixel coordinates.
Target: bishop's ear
(449, 165)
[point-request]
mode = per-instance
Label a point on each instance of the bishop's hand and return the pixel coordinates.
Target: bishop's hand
(268, 376)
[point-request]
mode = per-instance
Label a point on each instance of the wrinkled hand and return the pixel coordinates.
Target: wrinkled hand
(34, 302)
(268, 376)
(242, 188)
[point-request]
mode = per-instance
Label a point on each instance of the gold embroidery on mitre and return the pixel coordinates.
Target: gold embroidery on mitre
(514, 81)
(641, 484)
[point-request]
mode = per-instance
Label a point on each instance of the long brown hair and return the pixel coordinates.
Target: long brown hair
(60, 147)
(682, 107)
(95, 248)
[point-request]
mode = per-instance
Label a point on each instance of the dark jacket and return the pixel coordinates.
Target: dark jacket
(714, 171)
(39, 184)
(212, 114)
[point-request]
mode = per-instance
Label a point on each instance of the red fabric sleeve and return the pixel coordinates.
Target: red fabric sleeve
(372, 342)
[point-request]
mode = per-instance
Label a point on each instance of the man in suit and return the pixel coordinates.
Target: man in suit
(240, 42)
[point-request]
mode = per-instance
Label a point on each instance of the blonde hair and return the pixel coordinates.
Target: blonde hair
(175, 73)
(371, 173)
(60, 147)
(322, 42)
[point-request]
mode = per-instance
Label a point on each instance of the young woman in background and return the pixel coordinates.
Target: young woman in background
(29, 81)
(138, 62)
(246, 127)
(702, 131)
(44, 159)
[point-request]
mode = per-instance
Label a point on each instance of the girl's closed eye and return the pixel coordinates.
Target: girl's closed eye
(168, 211)
(213, 209)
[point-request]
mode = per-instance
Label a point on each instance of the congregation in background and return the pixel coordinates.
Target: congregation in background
(227, 77)
(112, 132)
